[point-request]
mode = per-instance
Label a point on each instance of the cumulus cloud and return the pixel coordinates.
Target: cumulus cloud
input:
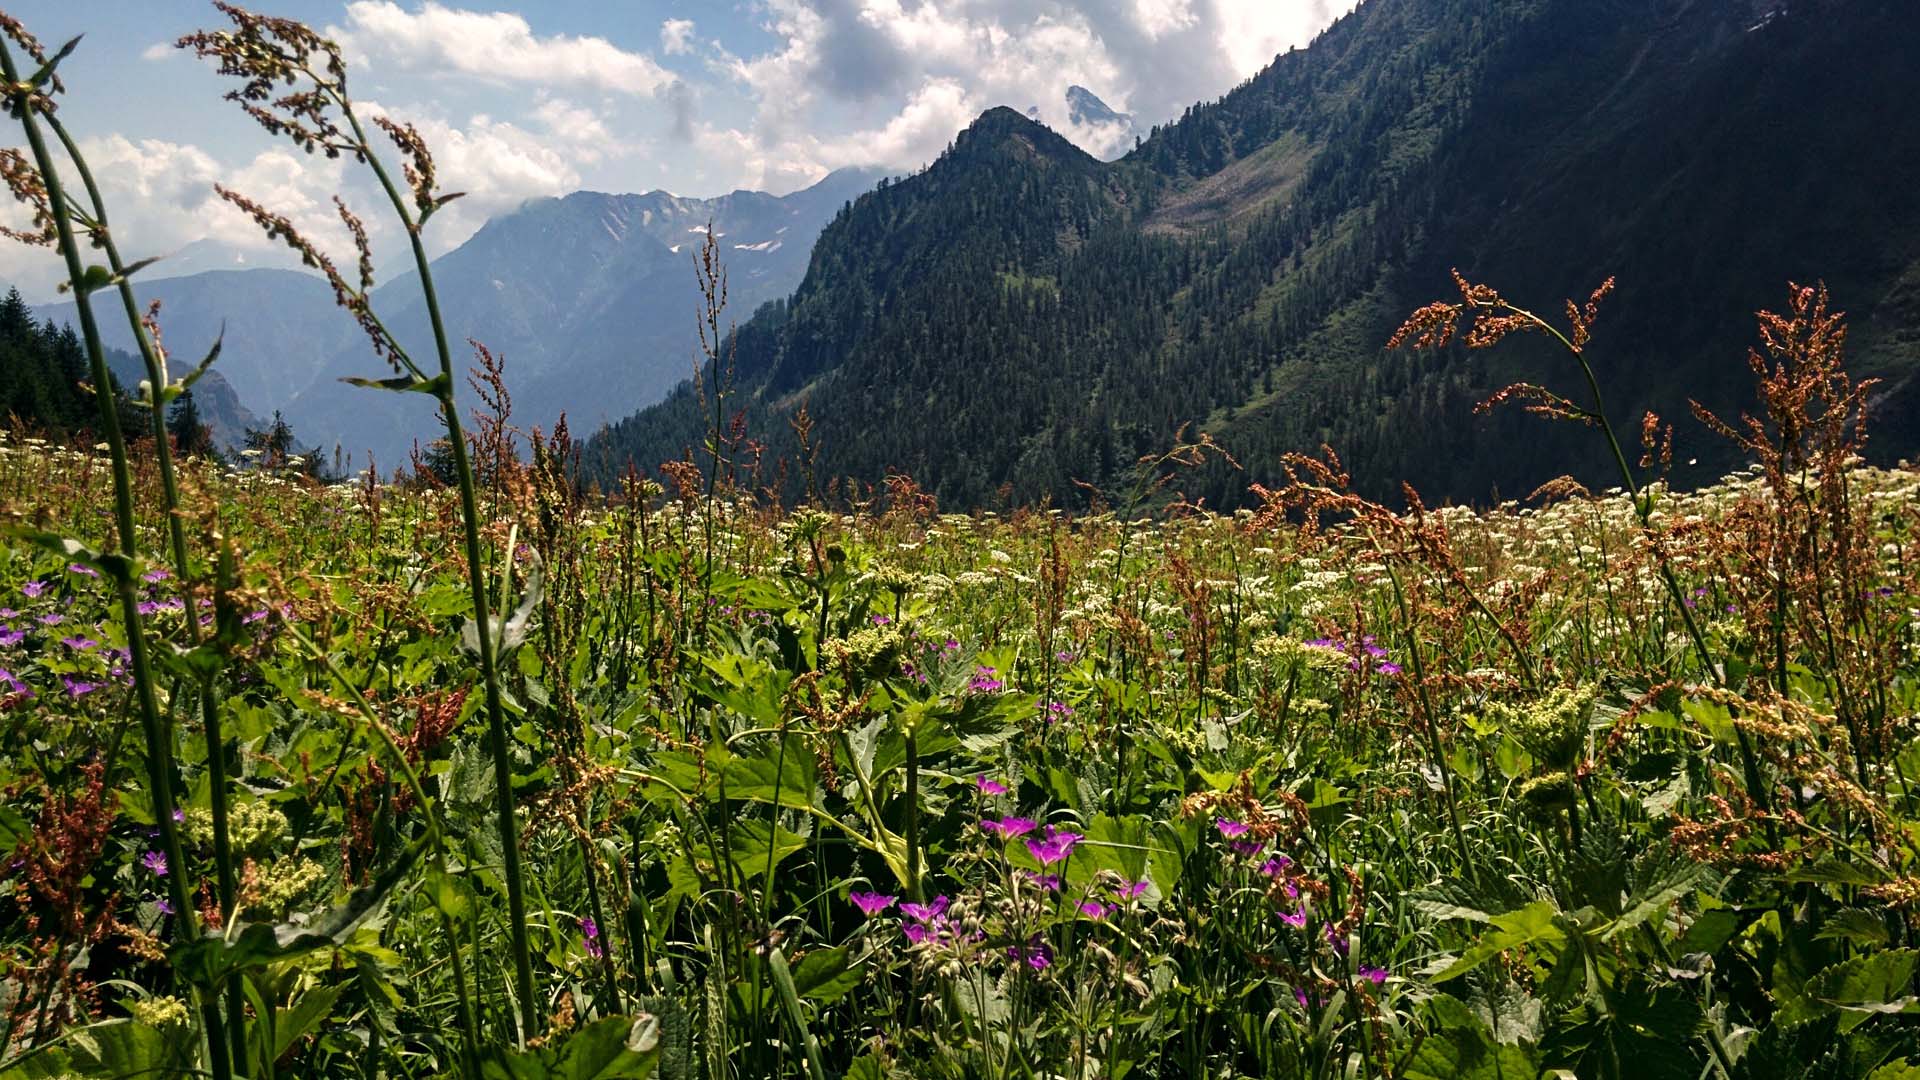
(676, 36)
(895, 70)
(496, 46)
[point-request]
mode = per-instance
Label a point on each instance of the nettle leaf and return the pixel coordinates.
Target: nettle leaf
(1459, 1047)
(1875, 984)
(1658, 899)
(616, 1048)
(1536, 924)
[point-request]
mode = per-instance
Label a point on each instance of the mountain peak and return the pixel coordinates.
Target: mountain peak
(1085, 107)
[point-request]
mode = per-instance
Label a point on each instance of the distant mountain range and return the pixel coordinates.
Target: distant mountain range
(590, 297)
(1021, 320)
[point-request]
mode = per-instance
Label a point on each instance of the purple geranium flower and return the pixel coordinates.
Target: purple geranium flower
(1377, 975)
(10, 637)
(78, 687)
(590, 936)
(33, 588)
(155, 861)
(871, 903)
(52, 618)
(1054, 847)
(1230, 828)
(1009, 827)
(1128, 890)
(989, 787)
(83, 571)
(925, 912)
(1094, 909)
(1297, 920)
(78, 643)
(1036, 954)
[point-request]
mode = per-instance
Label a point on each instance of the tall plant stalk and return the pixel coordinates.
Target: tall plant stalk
(27, 104)
(269, 52)
(158, 386)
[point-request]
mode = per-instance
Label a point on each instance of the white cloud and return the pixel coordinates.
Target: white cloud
(877, 76)
(676, 36)
(495, 46)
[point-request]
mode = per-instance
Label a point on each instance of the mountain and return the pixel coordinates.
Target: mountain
(590, 297)
(1085, 107)
(1020, 319)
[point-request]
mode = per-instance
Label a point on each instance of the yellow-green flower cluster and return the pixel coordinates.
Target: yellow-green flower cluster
(253, 828)
(160, 1011)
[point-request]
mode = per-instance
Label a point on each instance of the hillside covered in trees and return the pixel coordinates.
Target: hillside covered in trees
(1020, 318)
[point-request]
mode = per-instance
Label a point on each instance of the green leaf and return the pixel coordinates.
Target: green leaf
(292, 1025)
(825, 975)
(771, 776)
(115, 566)
(616, 1048)
(406, 384)
(1657, 900)
(1459, 1047)
(1535, 924)
(211, 959)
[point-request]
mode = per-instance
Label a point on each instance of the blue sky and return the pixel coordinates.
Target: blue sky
(528, 99)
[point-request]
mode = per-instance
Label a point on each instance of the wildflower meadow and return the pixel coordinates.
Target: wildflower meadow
(496, 774)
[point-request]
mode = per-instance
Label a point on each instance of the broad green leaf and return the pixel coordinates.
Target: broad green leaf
(616, 1048)
(1535, 924)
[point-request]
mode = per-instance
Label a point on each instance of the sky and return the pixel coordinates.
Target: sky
(543, 97)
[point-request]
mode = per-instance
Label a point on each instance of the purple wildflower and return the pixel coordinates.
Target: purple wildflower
(52, 618)
(1376, 975)
(1128, 890)
(989, 787)
(1387, 667)
(1094, 909)
(871, 903)
(1055, 847)
(33, 588)
(155, 576)
(78, 643)
(1036, 954)
(83, 571)
(1297, 920)
(163, 906)
(156, 862)
(1009, 827)
(925, 912)
(590, 936)
(985, 681)
(1230, 828)
(78, 687)
(10, 637)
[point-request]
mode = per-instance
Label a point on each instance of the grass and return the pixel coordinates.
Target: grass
(1608, 785)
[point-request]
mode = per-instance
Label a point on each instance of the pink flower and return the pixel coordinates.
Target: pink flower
(1129, 890)
(1297, 920)
(989, 787)
(1055, 847)
(871, 903)
(1094, 909)
(1009, 827)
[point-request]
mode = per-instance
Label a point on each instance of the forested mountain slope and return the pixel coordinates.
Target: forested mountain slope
(1019, 317)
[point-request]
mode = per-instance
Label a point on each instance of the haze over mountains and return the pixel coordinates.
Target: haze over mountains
(590, 297)
(1021, 319)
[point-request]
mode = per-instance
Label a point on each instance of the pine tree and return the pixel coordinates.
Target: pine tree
(191, 435)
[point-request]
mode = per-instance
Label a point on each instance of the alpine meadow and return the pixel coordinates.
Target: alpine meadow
(1408, 570)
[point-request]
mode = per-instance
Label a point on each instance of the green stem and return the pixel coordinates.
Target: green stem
(477, 585)
(157, 732)
(157, 381)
